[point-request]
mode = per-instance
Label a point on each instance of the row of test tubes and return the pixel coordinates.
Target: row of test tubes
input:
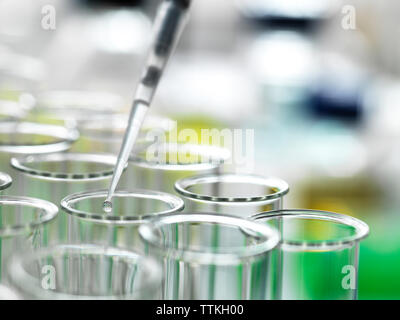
(178, 230)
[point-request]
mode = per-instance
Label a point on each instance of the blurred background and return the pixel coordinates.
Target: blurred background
(317, 80)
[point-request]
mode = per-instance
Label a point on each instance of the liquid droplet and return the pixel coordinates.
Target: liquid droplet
(107, 206)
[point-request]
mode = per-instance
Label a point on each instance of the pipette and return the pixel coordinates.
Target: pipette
(169, 22)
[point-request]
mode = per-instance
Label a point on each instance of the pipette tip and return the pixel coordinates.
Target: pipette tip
(107, 205)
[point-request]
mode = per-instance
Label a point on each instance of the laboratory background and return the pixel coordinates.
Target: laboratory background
(311, 88)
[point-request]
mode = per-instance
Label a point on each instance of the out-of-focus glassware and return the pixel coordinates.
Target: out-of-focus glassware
(77, 105)
(90, 224)
(11, 110)
(160, 165)
(5, 181)
(235, 194)
(105, 133)
(22, 226)
(20, 137)
(83, 272)
(53, 176)
(19, 74)
(202, 264)
(318, 254)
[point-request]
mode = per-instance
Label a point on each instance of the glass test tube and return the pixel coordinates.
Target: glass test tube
(21, 226)
(54, 176)
(83, 272)
(18, 138)
(318, 253)
(105, 132)
(159, 166)
(5, 182)
(120, 226)
(235, 194)
(196, 268)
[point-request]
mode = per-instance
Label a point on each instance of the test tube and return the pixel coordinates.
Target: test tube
(159, 166)
(235, 194)
(120, 226)
(85, 272)
(54, 176)
(105, 132)
(21, 226)
(318, 253)
(195, 268)
(5, 182)
(18, 138)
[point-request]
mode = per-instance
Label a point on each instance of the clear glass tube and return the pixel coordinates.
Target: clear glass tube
(90, 224)
(159, 166)
(54, 176)
(21, 226)
(18, 138)
(318, 254)
(83, 272)
(211, 256)
(105, 133)
(236, 194)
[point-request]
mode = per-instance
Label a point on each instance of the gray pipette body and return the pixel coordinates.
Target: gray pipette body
(169, 22)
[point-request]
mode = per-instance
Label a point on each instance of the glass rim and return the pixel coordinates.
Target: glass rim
(5, 181)
(22, 165)
(28, 284)
(360, 227)
(67, 137)
(218, 154)
(176, 204)
(148, 234)
(50, 212)
(181, 186)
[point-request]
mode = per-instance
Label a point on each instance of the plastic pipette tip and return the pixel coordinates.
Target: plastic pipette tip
(107, 206)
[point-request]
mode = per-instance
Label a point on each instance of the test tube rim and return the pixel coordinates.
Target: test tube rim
(25, 282)
(213, 152)
(360, 227)
(176, 204)
(109, 159)
(5, 180)
(67, 137)
(147, 232)
(182, 184)
(50, 212)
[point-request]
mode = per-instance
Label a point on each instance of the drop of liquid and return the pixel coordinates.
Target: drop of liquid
(107, 206)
